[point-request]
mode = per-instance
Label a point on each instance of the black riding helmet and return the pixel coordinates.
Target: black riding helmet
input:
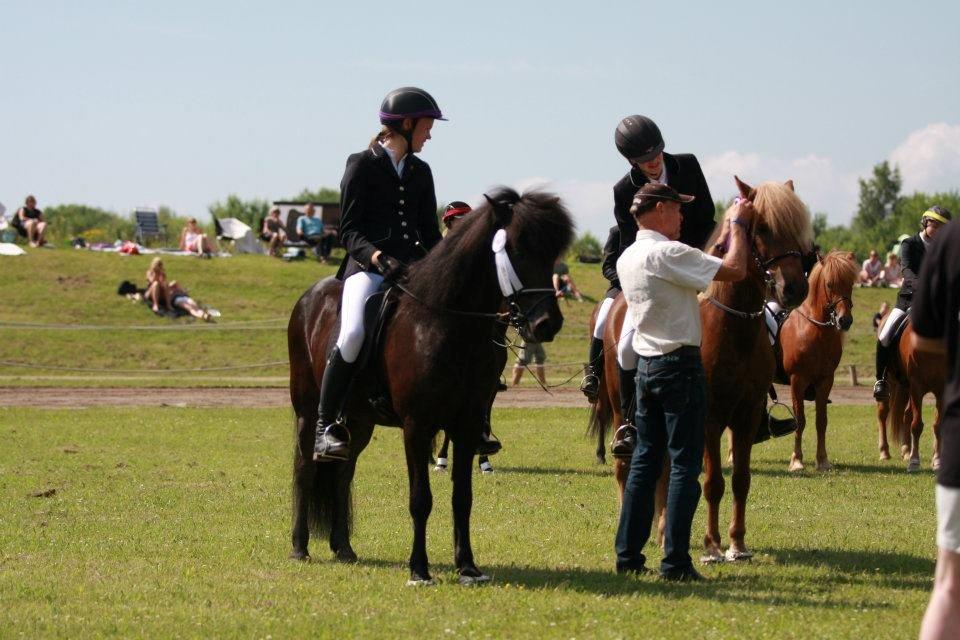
(408, 102)
(638, 138)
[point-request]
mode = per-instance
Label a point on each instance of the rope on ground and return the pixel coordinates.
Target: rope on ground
(44, 367)
(240, 325)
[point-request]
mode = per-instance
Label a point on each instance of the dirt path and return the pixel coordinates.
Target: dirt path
(62, 398)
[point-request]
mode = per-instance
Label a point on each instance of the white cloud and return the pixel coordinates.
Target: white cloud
(929, 159)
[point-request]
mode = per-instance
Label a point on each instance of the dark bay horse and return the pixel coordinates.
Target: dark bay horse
(811, 344)
(438, 366)
(737, 356)
(912, 374)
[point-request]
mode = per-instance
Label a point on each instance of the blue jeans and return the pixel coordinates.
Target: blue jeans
(671, 409)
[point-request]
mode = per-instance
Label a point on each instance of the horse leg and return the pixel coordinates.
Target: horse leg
(442, 456)
(462, 502)
(798, 387)
(304, 471)
(935, 461)
(713, 487)
(360, 434)
(416, 443)
(916, 428)
(740, 483)
(823, 393)
(903, 417)
(883, 412)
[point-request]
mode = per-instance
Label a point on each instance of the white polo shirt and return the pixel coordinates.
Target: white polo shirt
(660, 280)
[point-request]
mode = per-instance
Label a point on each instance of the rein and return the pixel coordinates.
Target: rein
(763, 266)
(831, 309)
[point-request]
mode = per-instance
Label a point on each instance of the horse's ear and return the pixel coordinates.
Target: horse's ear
(789, 185)
(746, 191)
(851, 256)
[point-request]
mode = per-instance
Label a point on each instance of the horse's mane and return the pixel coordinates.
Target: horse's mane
(539, 226)
(836, 267)
(780, 210)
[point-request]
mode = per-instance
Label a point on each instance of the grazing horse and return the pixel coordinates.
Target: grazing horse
(436, 365)
(912, 374)
(811, 343)
(737, 356)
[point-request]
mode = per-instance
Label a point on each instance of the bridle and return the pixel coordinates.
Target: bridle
(831, 310)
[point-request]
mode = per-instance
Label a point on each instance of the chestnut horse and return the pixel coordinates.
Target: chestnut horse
(811, 344)
(438, 365)
(912, 374)
(737, 356)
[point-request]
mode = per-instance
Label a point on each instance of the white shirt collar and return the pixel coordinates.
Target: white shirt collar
(398, 165)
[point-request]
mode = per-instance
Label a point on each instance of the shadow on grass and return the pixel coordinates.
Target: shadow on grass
(599, 471)
(884, 469)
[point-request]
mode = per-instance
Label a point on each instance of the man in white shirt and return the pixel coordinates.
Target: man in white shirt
(660, 278)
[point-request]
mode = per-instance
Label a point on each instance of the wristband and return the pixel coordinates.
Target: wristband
(742, 224)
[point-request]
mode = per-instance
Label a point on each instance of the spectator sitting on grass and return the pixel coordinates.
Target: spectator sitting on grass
(180, 299)
(892, 275)
(310, 230)
(30, 219)
(563, 284)
(158, 289)
(870, 273)
(272, 232)
(194, 240)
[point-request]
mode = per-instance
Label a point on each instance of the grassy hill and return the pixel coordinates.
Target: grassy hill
(120, 343)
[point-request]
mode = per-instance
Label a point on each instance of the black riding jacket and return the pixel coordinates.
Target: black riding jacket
(912, 251)
(612, 251)
(380, 210)
(684, 175)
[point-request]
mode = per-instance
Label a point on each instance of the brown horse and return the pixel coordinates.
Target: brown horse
(811, 343)
(737, 357)
(912, 374)
(438, 365)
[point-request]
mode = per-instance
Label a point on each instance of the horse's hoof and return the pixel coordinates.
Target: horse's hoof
(417, 580)
(796, 465)
(440, 469)
(602, 460)
(935, 463)
(713, 556)
(346, 555)
(737, 555)
(472, 576)
(824, 466)
(913, 466)
(884, 455)
(301, 556)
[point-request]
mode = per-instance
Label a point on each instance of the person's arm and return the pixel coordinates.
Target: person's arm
(703, 223)
(556, 284)
(736, 237)
(183, 236)
(427, 225)
(300, 226)
(352, 213)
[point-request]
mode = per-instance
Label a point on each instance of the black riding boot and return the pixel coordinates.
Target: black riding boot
(625, 439)
(590, 386)
(489, 444)
(333, 439)
(880, 390)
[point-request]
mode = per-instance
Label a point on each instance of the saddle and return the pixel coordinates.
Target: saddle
(377, 311)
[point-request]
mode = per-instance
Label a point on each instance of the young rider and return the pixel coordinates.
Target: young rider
(912, 251)
(388, 219)
(639, 140)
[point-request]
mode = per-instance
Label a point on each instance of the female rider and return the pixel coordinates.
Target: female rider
(388, 218)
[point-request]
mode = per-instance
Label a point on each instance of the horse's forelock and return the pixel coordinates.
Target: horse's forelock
(836, 267)
(541, 225)
(784, 213)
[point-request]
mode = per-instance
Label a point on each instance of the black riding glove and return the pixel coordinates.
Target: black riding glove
(391, 268)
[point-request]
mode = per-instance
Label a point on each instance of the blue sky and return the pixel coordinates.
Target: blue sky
(118, 104)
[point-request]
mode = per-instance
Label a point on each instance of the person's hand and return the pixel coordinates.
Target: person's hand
(744, 212)
(391, 268)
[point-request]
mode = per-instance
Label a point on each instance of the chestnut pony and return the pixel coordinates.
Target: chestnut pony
(737, 356)
(811, 344)
(438, 364)
(912, 374)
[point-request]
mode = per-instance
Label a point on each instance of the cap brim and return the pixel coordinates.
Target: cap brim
(684, 198)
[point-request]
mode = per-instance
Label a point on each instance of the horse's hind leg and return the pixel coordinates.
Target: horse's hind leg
(740, 481)
(935, 461)
(344, 471)
(916, 428)
(304, 470)
(823, 393)
(462, 501)
(416, 444)
(713, 487)
(798, 387)
(883, 412)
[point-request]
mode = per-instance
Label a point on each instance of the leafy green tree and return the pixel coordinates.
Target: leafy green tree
(586, 245)
(68, 221)
(252, 211)
(879, 195)
(323, 194)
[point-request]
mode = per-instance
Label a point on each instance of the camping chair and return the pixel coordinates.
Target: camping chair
(148, 225)
(238, 234)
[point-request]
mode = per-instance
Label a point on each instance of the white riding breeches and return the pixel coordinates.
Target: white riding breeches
(895, 319)
(602, 318)
(356, 289)
(626, 357)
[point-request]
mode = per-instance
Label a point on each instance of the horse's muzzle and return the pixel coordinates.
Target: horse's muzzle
(545, 327)
(846, 322)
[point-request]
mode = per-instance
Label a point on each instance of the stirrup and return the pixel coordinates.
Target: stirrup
(328, 447)
(881, 390)
(624, 441)
(590, 386)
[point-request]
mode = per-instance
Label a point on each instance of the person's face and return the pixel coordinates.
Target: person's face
(873, 255)
(652, 168)
(309, 211)
(274, 214)
(31, 203)
(932, 228)
(192, 223)
(671, 218)
(421, 133)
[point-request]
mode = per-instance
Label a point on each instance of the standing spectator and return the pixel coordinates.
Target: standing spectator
(936, 327)
(310, 229)
(870, 273)
(194, 240)
(30, 220)
(273, 233)
(891, 275)
(563, 284)
(661, 278)
(530, 353)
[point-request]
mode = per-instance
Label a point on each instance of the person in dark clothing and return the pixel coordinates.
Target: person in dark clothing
(639, 141)
(388, 218)
(29, 220)
(912, 251)
(936, 326)
(612, 250)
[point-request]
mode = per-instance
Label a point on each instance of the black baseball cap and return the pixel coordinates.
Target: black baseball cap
(649, 193)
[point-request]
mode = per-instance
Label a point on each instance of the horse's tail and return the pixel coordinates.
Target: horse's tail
(319, 489)
(601, 416)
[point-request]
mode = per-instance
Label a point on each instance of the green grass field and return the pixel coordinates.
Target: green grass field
(255, 295)
(175, 523)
